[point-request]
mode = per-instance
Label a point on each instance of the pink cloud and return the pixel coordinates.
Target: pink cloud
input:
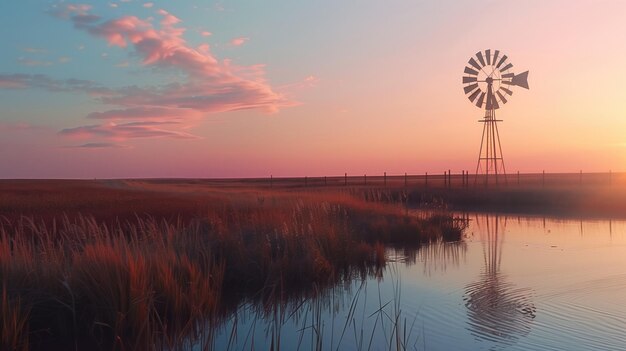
(205, 33)
(80, 9)
(169, 20)
(147, 113)
(102, 145)
(148, 5)
(203, 48)
(125, 131)
(239, 41)
(209, 85)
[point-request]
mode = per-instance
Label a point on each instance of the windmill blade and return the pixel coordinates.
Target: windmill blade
(474, 95)
(506, 90)
(474, 63)
(468, 89)
(508, 75)
(469, 79)
(501, 61)
(488, 56)
(501, 96)
(470, 71)
(479, 103)
(521, 80)
(480, 58)
(495, 56)
(509, 65)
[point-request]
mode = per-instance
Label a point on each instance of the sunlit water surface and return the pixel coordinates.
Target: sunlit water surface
(514, 283)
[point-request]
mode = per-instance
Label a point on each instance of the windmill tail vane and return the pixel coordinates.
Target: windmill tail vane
(487, 82)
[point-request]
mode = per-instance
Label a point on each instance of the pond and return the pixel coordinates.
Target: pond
(514, 283)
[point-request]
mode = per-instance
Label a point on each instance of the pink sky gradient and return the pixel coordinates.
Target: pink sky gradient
(159, 89)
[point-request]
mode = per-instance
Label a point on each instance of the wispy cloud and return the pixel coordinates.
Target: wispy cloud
(18, 80)
(35, 50)
(147, 113)
(30, 62)
(103, 145)
(125, 131)
(21, 126)
(239, 41)
(148, 5)
(205, 33)
(210, 85)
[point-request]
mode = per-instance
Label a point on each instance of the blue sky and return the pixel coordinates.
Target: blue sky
(315, 88)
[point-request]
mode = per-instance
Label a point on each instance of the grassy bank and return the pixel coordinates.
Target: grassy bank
(144, 265)
(557, 201)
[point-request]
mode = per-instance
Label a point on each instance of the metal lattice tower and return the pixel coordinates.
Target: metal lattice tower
(486, 82)
(490, 159)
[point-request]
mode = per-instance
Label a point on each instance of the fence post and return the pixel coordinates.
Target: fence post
(271, 181)
(543, 178)
(449, 179)
(426, 180)
(385, 178)
(517, 177)
(365, 179)
(325, 182)
(345, 179)
(580, 179)
(405, 183)
(306, 181)
(610, 176)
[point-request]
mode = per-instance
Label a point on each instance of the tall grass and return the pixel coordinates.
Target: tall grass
(160, 281)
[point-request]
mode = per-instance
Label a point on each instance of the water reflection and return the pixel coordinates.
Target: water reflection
(517, 283)
(497, 310)
(438, 257)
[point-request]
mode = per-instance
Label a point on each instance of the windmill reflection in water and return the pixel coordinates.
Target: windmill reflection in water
(497, 310)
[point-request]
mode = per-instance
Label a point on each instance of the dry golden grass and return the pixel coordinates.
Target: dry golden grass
(150, 265)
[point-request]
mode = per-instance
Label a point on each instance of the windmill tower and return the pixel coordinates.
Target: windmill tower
(497, 310)
(487, 82)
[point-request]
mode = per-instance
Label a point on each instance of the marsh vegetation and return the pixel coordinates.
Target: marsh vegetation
(150, 265)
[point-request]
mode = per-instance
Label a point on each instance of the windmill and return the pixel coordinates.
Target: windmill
(487, 83)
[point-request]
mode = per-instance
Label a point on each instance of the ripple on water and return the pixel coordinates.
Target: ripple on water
(497, 310)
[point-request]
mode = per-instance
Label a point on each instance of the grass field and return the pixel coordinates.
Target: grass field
(148, 264)
(138, 264)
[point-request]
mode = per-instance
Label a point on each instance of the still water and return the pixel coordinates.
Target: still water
(514, 283)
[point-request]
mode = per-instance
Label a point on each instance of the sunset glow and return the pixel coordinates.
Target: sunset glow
(253, 89)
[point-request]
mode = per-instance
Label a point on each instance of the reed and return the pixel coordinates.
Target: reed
(160, 279)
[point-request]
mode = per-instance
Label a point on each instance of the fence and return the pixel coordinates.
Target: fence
(447, 179)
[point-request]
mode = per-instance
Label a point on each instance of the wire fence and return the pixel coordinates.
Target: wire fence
(447, 179)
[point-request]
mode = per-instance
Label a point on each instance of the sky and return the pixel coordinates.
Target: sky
(191, 88)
